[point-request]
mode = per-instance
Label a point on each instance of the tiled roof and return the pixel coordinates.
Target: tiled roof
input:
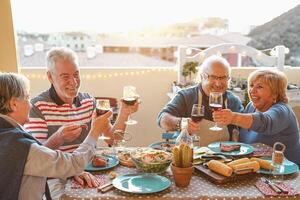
(102, 60)
(123, 60)
(205, 40)
(131, 59)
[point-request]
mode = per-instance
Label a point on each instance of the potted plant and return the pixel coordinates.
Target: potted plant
(182, 165)
(189, 68)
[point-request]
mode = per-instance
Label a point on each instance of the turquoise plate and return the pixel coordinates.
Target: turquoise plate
(141, 183)
(112, 162)
(288, 168)
(244, 150)
(162, 145)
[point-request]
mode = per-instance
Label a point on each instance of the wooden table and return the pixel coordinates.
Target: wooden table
(199, 188)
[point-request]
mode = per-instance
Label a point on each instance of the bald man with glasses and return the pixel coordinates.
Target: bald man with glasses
(213, 76)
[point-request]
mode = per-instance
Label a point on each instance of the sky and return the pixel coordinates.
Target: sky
(129, 15)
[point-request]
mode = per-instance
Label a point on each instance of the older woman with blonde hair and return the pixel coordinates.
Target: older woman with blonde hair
(267, 118)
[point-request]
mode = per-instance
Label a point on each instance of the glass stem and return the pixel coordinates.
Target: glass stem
(216, 125)
(129, 116)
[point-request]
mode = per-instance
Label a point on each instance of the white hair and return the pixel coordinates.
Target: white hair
(63, 53)
(11, 86)
(208, 63)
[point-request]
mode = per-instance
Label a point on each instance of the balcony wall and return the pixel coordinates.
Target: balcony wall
(152, 85)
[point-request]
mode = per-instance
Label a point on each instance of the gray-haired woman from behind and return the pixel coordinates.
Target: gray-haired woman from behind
(25, 164)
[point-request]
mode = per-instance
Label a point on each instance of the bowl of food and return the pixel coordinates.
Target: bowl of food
(151, 160)
(125, 159)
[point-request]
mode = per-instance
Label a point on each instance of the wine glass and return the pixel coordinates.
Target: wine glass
(215, 103)
(197, 115)
(130, 97)
(102, 107)
(120, 138)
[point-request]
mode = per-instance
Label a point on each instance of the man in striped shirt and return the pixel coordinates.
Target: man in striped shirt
(60, 117)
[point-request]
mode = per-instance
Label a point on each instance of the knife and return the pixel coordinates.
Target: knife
(271, 185)
(283, 190)
(106, 187)
(212, 157)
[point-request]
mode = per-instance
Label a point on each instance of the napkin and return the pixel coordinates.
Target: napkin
(102, 179)
(267, 191)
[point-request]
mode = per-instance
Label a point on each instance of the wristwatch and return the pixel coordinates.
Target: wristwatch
(178, 125)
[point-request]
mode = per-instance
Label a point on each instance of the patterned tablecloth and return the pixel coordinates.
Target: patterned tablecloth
(199, 188)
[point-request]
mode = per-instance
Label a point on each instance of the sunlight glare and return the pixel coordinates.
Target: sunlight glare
(133, 15)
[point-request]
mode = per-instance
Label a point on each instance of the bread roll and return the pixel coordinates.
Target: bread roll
(219, 168)
(238, 161)
(112, 174)
(247, 167)
(264, 164)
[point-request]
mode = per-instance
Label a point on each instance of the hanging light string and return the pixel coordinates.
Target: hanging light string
(188, 49)
(94, 76)
(271, 51)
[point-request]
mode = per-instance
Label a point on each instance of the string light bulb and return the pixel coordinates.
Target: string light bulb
(232, 49)
(286, 50)
(259, 53)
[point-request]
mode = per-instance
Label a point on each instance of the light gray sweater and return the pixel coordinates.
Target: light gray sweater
(43, 163)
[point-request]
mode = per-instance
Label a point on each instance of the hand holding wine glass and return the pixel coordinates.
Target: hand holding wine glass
(130, 97)
(215, 104)
(102, 107)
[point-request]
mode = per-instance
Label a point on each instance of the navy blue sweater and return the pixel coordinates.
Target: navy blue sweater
(14, 148)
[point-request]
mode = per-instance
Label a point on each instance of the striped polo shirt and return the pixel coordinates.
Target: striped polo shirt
(49, 113)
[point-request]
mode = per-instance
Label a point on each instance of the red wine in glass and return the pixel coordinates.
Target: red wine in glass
(130, 97)
(215, 104)
(215, 107)
(129, 100)
(102, 106)
(197, 113)
(101, 111)
(197, 117)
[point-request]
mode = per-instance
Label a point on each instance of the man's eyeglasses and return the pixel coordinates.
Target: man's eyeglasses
(215, 78)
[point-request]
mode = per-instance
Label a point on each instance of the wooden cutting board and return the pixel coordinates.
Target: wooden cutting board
(217, 178)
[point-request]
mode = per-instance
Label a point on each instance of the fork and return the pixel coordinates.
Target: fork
(278, 189)
(271, 185)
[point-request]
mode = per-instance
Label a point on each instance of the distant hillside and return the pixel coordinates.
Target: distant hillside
(282, 30)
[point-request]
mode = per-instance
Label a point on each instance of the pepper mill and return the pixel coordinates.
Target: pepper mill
(277, 159)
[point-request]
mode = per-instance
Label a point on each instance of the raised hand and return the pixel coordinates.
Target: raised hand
(193, 126)
(100, 124)
(128, 109)
(70, 132)
(223, 117)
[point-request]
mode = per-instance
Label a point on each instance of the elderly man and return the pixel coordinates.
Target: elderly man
(60, 117)
(25, 163)
(214, 74)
